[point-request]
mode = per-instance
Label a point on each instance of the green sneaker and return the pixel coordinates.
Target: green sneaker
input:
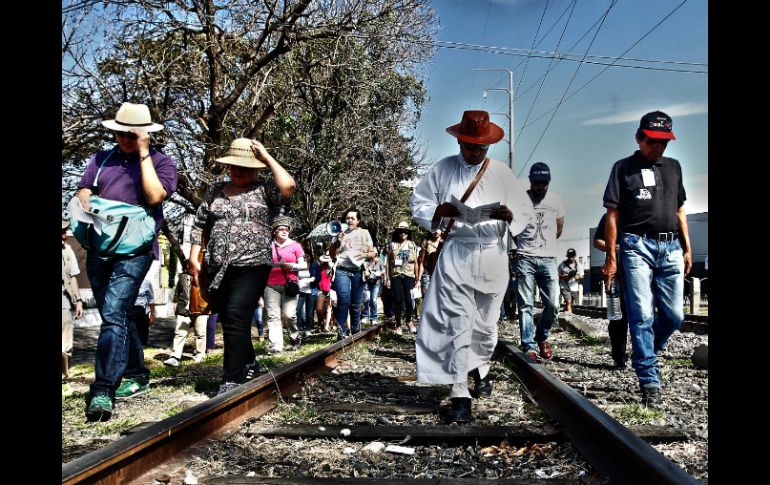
(100, 408)
(130, 388)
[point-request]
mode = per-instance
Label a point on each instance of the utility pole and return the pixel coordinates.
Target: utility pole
(509, 115)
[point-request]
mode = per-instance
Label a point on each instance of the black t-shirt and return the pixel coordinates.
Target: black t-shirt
(644, 208)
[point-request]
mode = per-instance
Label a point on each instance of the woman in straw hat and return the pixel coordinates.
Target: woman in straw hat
(134, 173)
(235, 218)
(400, 274)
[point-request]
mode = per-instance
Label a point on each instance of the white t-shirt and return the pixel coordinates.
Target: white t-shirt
(539, 237)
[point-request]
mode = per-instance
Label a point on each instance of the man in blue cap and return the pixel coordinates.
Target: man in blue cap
(645, 217)
(536, 263)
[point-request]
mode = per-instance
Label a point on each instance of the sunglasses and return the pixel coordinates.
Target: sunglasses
(474, 146)
(657, 141)
(127, 134)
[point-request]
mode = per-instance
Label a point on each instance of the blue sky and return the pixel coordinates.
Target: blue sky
(594, 128)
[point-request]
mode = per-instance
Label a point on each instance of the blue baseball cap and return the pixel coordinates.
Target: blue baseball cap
(539, 173)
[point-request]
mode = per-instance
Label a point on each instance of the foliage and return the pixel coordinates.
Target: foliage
(330, 86)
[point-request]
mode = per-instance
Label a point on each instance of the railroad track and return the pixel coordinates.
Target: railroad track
(342, 383)
(692, 323)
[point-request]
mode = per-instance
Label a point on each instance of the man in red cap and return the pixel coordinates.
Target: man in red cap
(458, 327)
(645, 215)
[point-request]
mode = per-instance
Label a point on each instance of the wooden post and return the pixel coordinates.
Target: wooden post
(695, 296)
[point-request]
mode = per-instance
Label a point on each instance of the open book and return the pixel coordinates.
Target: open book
(473, 215)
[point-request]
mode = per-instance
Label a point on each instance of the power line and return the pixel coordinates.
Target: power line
(569, 85)
(568, 56)
(605, 69)
(550, 66)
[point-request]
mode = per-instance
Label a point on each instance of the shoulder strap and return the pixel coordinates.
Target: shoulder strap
(468, 192)
(96, 178)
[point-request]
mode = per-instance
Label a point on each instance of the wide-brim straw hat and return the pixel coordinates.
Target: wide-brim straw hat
(241, 154)
(403, 226)
(476, 128)
(132, 116)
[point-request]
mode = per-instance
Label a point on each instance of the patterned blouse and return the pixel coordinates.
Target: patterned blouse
(240, 232)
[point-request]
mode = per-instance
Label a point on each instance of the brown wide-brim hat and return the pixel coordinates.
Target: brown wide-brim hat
(240, 154)
(475, 127)
(132, 116)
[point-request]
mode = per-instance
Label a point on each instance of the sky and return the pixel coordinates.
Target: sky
(595, 127)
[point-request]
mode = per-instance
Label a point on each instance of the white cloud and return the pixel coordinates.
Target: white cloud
(681, 109)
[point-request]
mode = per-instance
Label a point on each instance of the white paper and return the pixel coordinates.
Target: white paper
(473, 215)
(78, 212)
(648, 177)
(416, 293)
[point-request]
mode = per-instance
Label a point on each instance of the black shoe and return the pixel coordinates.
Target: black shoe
(253, 371)
(651, 397)
(483, 386)
(619, 362)
(461, 410)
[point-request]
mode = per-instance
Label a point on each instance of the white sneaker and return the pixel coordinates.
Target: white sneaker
(198, 358)
(171, 361)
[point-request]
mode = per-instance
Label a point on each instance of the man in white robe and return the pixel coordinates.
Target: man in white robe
(458, 329)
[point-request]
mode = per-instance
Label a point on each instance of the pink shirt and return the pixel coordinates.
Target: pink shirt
(290, 253)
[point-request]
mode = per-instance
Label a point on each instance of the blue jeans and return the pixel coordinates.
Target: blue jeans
(259, 320)
(372, 289)
(531, 269)
(653, 273)
(306, 311)
(350, 291)
(119, 351)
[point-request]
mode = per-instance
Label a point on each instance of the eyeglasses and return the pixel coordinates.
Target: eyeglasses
(657, 141)
(474, 146)
(127, 134)
(282, 228)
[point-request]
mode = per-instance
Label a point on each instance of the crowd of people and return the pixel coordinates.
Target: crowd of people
(451, 290)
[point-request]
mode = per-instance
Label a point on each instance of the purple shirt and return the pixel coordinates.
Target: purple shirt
(121, 180)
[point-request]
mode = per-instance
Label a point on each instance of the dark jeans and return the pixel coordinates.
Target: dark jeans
(387, 302)
(618, 329)
(350, 291)
(211, 332)
(508, 308)
(401, 286)
(306, 311)
(119, 352)
(235, 301)
(142, 320)
(259, 317)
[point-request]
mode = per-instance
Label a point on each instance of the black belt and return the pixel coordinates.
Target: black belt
(350, 269)
(658, 236)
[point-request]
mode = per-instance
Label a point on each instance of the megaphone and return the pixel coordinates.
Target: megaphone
(333, 228)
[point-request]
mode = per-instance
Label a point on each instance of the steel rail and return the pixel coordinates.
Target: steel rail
(692, 322)
(616, 452)
(128, 458)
